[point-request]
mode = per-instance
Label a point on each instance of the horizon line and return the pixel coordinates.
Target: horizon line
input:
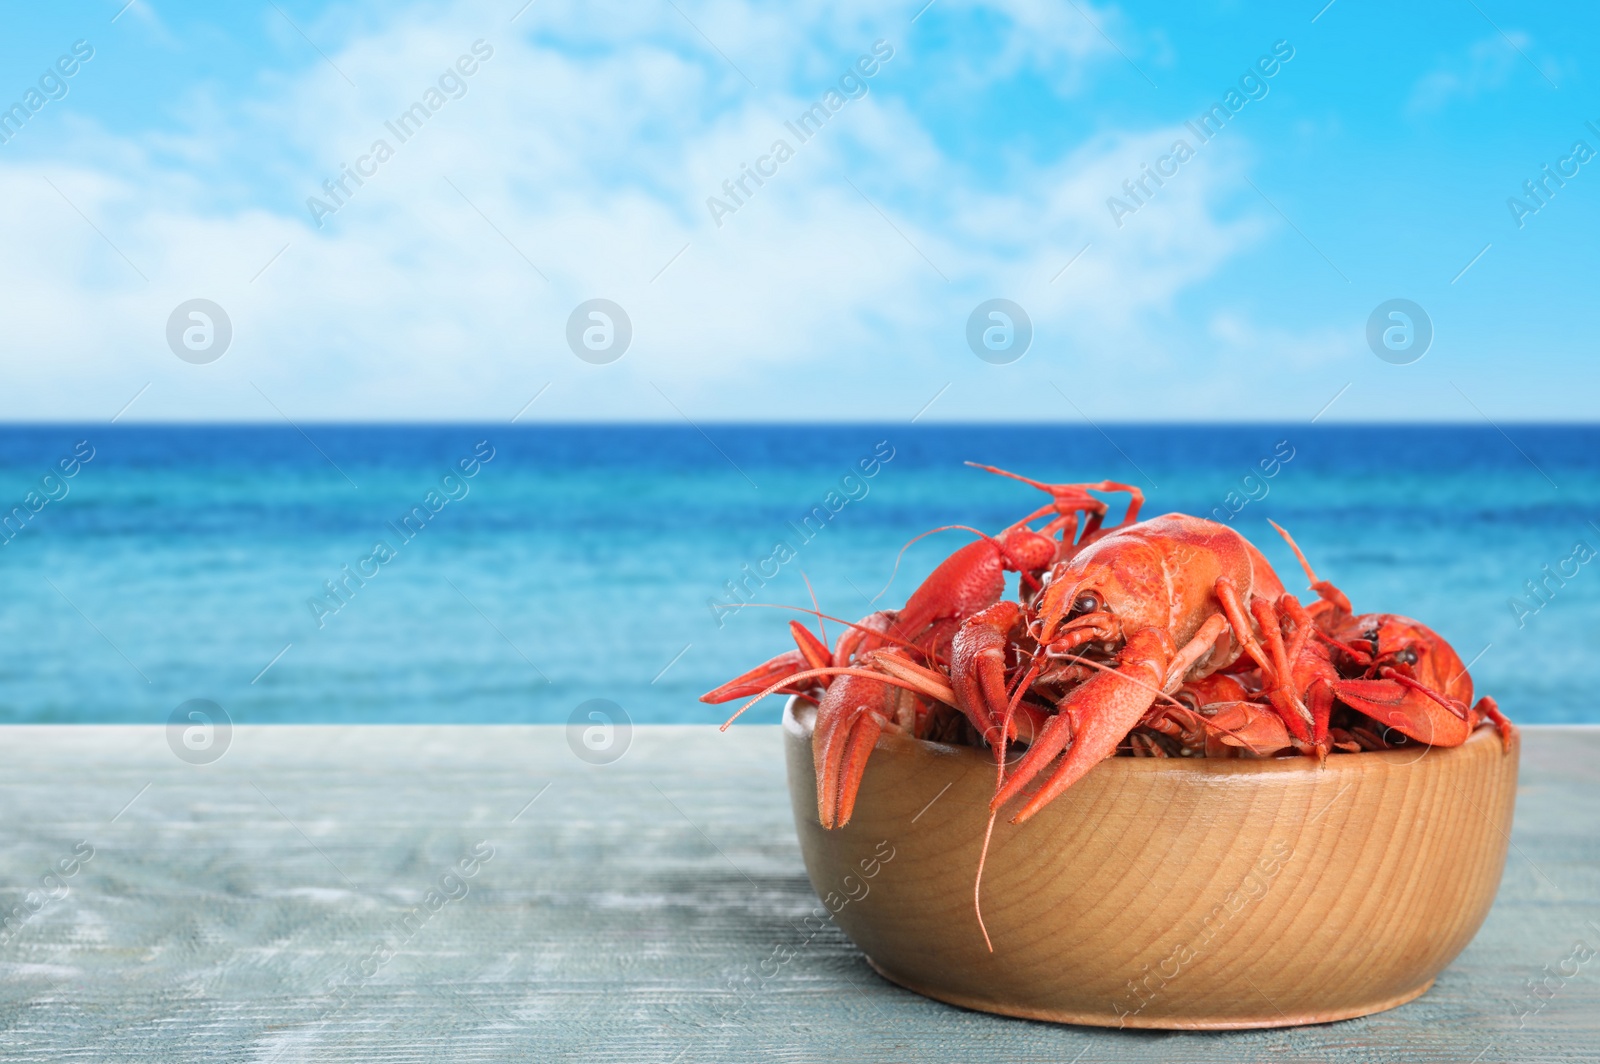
(673, 423)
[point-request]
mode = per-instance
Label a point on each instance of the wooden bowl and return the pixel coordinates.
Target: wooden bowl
(1166, 893)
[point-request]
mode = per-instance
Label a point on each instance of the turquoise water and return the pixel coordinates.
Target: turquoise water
(579, 563)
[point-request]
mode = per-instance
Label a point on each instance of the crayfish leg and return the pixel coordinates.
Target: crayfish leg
(758, 679)
(1488, 707)
(1256, 729)
(1414, 713)
(812, 653)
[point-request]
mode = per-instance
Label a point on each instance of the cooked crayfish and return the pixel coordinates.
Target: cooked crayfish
(872, 680)
(1171, 598)
(1171, 636)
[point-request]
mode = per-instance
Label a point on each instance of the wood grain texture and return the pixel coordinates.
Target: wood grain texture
(1167, 893)
(650, 910)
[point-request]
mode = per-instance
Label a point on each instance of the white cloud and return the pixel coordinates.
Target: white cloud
(1267, 344)
(1054, 40)
(589, 143)
(1485, 67)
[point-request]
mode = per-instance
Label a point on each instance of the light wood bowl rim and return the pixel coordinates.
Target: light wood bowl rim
(893, 744)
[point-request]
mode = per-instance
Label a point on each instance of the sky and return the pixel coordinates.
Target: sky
(1369, 153)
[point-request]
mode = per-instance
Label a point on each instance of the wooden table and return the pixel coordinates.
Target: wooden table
(275, 906)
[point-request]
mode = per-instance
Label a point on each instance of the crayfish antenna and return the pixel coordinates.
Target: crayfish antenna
(906, 678)
(1311, 577)
(913, 677)
(1041, 485)
(855, 626)
(822, 624)
(977, 884)
(1076, 496)
(1326, 591)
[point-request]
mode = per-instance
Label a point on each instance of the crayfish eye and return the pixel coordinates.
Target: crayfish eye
(1408, 656)
(1088, 602)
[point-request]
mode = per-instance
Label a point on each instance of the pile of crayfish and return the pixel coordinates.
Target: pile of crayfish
(1168, 637)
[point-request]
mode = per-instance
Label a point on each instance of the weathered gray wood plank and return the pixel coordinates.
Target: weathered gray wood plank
(225, 913)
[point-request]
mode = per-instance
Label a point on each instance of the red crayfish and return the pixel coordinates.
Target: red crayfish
(1170, 636)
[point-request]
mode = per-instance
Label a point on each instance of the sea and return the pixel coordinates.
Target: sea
(514, 573)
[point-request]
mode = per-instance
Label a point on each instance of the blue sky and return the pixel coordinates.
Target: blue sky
(576, 162)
